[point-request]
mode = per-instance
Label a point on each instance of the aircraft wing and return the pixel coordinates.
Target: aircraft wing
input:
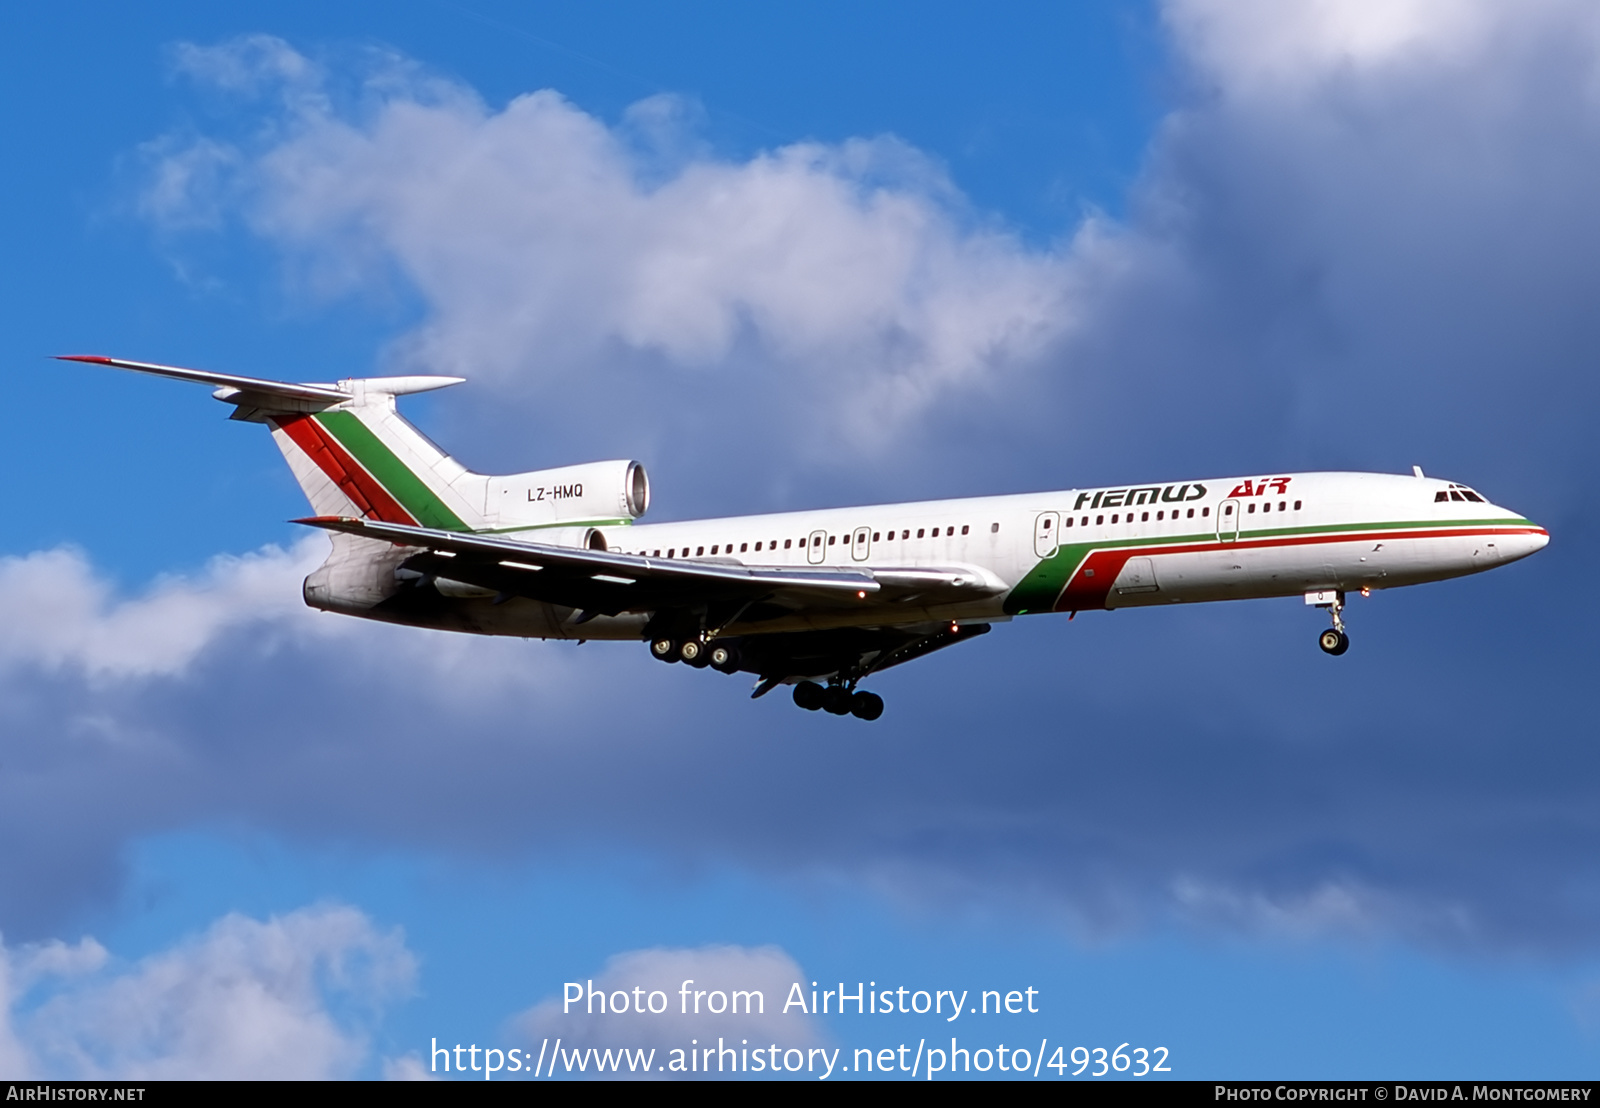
(601, 582)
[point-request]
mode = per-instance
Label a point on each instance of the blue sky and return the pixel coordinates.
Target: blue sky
(938, 252)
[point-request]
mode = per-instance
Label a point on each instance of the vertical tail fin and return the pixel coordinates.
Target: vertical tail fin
(362, 458)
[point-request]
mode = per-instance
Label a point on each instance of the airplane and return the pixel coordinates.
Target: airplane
(819, 600)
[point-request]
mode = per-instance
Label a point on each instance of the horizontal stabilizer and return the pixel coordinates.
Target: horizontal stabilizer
(259, 392)
(326, 394)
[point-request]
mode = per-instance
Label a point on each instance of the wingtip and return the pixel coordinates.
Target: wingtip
(97, 359)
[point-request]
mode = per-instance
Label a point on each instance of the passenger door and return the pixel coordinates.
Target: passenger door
(1228, 520)
(1047, 534)
(861, 544)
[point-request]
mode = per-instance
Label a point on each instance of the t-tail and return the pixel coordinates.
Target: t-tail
(354, 455)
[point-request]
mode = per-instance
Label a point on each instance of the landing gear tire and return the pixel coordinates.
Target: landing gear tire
(694, 653)
(809, 695)
(724, 659)
(664, 649)
(867, 706)
(1333, 641)
(836, 700)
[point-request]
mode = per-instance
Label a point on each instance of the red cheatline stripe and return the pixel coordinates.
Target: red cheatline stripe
(1107, 563)
(356, 483)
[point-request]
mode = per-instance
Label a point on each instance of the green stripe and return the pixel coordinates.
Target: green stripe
(393, 474)
(558, 523)
(1045, 581)
(1037, 591)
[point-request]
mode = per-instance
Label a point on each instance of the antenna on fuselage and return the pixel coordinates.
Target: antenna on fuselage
(1417, 470)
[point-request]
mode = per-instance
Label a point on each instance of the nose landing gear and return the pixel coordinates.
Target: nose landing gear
(1334, 640)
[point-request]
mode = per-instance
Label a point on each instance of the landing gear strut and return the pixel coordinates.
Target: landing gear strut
(839, 700)
(1334, 640)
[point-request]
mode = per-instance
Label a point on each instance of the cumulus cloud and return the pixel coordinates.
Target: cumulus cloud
(290, 997)
(59, 614)
(549, 246)
(731, 993)
(1260, 48)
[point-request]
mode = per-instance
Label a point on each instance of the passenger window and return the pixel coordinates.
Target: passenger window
(920, 531)
(1297, 505)
(1069, 521)
(874, 536)
(1191, 513)
(1267, 507)
(832, 539)
(994, 528)
(1204, 512)
(786, 543)
(1084, 522)
(905, 534)
(1098, 520)
(949, 532)
(1160, 516)
(699, 551)
(1114, 516)
(1252, 508)
(670, 550)
(714, 549)
(964, 528)
(1144, 517)
(657, 554)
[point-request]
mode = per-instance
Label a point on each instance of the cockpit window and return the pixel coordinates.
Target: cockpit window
(1457, 492)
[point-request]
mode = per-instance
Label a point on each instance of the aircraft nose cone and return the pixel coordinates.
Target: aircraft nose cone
(1513, 547)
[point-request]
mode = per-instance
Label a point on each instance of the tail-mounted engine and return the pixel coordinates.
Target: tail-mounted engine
(599, 492)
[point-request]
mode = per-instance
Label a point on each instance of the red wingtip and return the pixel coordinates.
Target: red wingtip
(97, 359)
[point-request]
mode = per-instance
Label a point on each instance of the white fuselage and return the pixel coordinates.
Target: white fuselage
(1079, 549)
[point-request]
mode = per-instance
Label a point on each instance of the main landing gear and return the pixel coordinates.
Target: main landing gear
(839, 700)
(840, 697)
(722, 657)
(1334, 640)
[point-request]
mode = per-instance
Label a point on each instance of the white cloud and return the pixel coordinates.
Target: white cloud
(722, 984)
(287, 998)
(1258, 47)
(58, 614)
(543, 241)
